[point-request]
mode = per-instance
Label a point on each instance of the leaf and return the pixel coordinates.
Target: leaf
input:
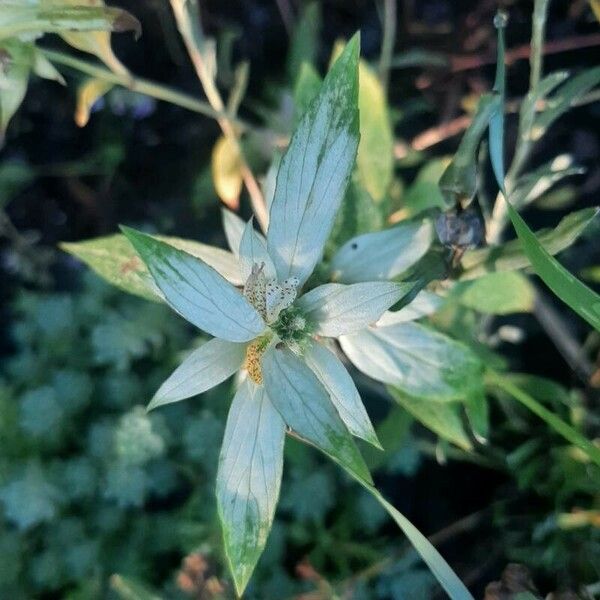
(196, 291)
(595, 5)
(418, 57)
(88, 93)
(304, 45)
(306, 88)
(342, 391)
(203, 369)
(270, 180)
(453, 586)
(443, 419)
(96, 43)
(418, 360)
(253, 251)
(17, 61)
(478, 413)
(227, 172)
(497, 293)
(424, 304)
(532, 186)
(565, 430)
(114, 259)
(249, 478)
(358, 214)
(582, 299)
(425, 192)
(459, 181)
(382, 254)
(43, 68)
(336, 309)
(496, 126)
(315, 170)
(234, 228)
(58, 16)
(510, 256)
(306, 407)
(563, 99)
(375, 159)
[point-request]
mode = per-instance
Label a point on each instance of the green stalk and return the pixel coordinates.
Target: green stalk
(136, 84)
(573, 436)
(389, 39)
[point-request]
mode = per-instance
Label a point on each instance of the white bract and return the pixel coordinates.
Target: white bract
(275, 336)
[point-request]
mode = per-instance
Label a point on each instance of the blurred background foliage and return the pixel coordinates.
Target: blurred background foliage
(99, 499)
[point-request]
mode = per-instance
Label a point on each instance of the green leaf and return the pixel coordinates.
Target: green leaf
(572, 435)
(534, 184)
(305, 41)
(425, 192)
(563, 99)
(249, 478)
(306, 407)
(196, 291)
(496, 125)
(358, 214)
(582, 299)
(422, 362)
(459, 181)
(447, 578)
(315, 170)
(497, 293)
(114, 259)
(417, 57)
(308, 84)
(55, 17)
(375, 158)
(511, 255)
(443, 419)
(17, 59)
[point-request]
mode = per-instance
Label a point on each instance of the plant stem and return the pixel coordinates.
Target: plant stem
(389, 39)
(137, 84)
(187, 16)
(526, 120)
(562, 428)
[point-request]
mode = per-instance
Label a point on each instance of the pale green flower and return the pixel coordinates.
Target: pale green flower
(278, 338)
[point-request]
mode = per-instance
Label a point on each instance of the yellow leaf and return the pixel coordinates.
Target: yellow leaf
(227, 172)
(98, 42)
(87, 94)
(595, 4)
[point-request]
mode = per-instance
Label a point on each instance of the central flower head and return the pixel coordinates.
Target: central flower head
(268, 296)
(273, 301)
